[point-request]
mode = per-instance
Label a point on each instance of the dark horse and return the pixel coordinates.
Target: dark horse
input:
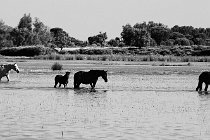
(89, 77)
(204, 77)
(5, 68)
(62, 80)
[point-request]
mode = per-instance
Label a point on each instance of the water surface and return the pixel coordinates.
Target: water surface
(154, 103)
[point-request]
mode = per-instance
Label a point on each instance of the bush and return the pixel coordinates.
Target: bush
(56, 66)
(182, 41)
(26, 51)
(79, 57)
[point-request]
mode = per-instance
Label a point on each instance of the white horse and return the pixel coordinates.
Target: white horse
(5, 68)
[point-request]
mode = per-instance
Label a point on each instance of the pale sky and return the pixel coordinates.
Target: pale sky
(84, 18)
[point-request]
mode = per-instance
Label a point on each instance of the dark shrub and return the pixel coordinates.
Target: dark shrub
(57, 66)
(26, 51)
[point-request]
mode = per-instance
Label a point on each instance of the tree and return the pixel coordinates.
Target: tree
(175, 35)
(141, 38)
(183, 29)
(100, 38)
(22, 37)
(5, 39)
(113, 42)
(182, 41)
(25, 22)
(127, 34)
(60, 37)
(208, 32)
(41, 32)
(160, 33)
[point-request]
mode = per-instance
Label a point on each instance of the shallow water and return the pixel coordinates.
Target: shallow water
(130, 106)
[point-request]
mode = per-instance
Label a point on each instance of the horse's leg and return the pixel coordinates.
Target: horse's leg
(94, 84)
(7, 77)
(206, 87)
(91, 84)
(199, 87)
(76, 85)
(56, 82)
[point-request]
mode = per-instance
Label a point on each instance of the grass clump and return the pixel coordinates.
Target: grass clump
(56, 66)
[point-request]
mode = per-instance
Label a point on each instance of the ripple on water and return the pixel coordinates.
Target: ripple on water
(127, 107)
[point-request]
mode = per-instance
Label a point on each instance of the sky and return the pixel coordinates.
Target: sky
(84, 18)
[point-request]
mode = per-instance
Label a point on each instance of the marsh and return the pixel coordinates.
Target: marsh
(139, 101)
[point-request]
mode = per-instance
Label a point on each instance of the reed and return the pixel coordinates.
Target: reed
(138, 58)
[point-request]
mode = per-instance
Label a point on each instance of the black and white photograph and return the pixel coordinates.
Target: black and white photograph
(104, 70)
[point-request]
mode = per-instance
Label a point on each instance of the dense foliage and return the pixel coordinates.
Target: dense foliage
(146, 38)
(29, 32)
(98, 39)
(152, 34)
(26, 51)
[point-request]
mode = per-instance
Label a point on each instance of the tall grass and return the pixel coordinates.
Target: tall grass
(138, 58)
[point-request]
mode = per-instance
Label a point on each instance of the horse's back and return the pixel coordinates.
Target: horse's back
(84, 77)
(205, 76)
(205, 73)
(57, 77)
(79, 75)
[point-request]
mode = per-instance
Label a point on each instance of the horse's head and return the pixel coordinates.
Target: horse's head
(104, 75)
(15, 67)
(67, 73)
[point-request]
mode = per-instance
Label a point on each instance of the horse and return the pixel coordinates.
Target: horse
(5, 68)
(203, 77)
(89, 77)
(62, 80)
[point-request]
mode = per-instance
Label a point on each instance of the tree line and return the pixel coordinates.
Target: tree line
(156, 34)
(143, 34)
(35, 32)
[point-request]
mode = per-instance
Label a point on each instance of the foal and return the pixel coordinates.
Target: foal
(62, 80)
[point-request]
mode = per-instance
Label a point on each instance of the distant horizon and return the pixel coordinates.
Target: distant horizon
(82, 19)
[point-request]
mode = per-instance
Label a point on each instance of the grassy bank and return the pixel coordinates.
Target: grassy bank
(148, 54)
(136, 58)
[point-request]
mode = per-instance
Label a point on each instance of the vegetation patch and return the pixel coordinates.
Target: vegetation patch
(26, 51)
(56, 66)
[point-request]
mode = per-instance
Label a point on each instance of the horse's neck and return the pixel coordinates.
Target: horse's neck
(99, 73)
(96, 73)
(6, 69)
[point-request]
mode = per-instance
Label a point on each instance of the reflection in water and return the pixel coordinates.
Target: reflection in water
(89, 91)
(127, 107)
